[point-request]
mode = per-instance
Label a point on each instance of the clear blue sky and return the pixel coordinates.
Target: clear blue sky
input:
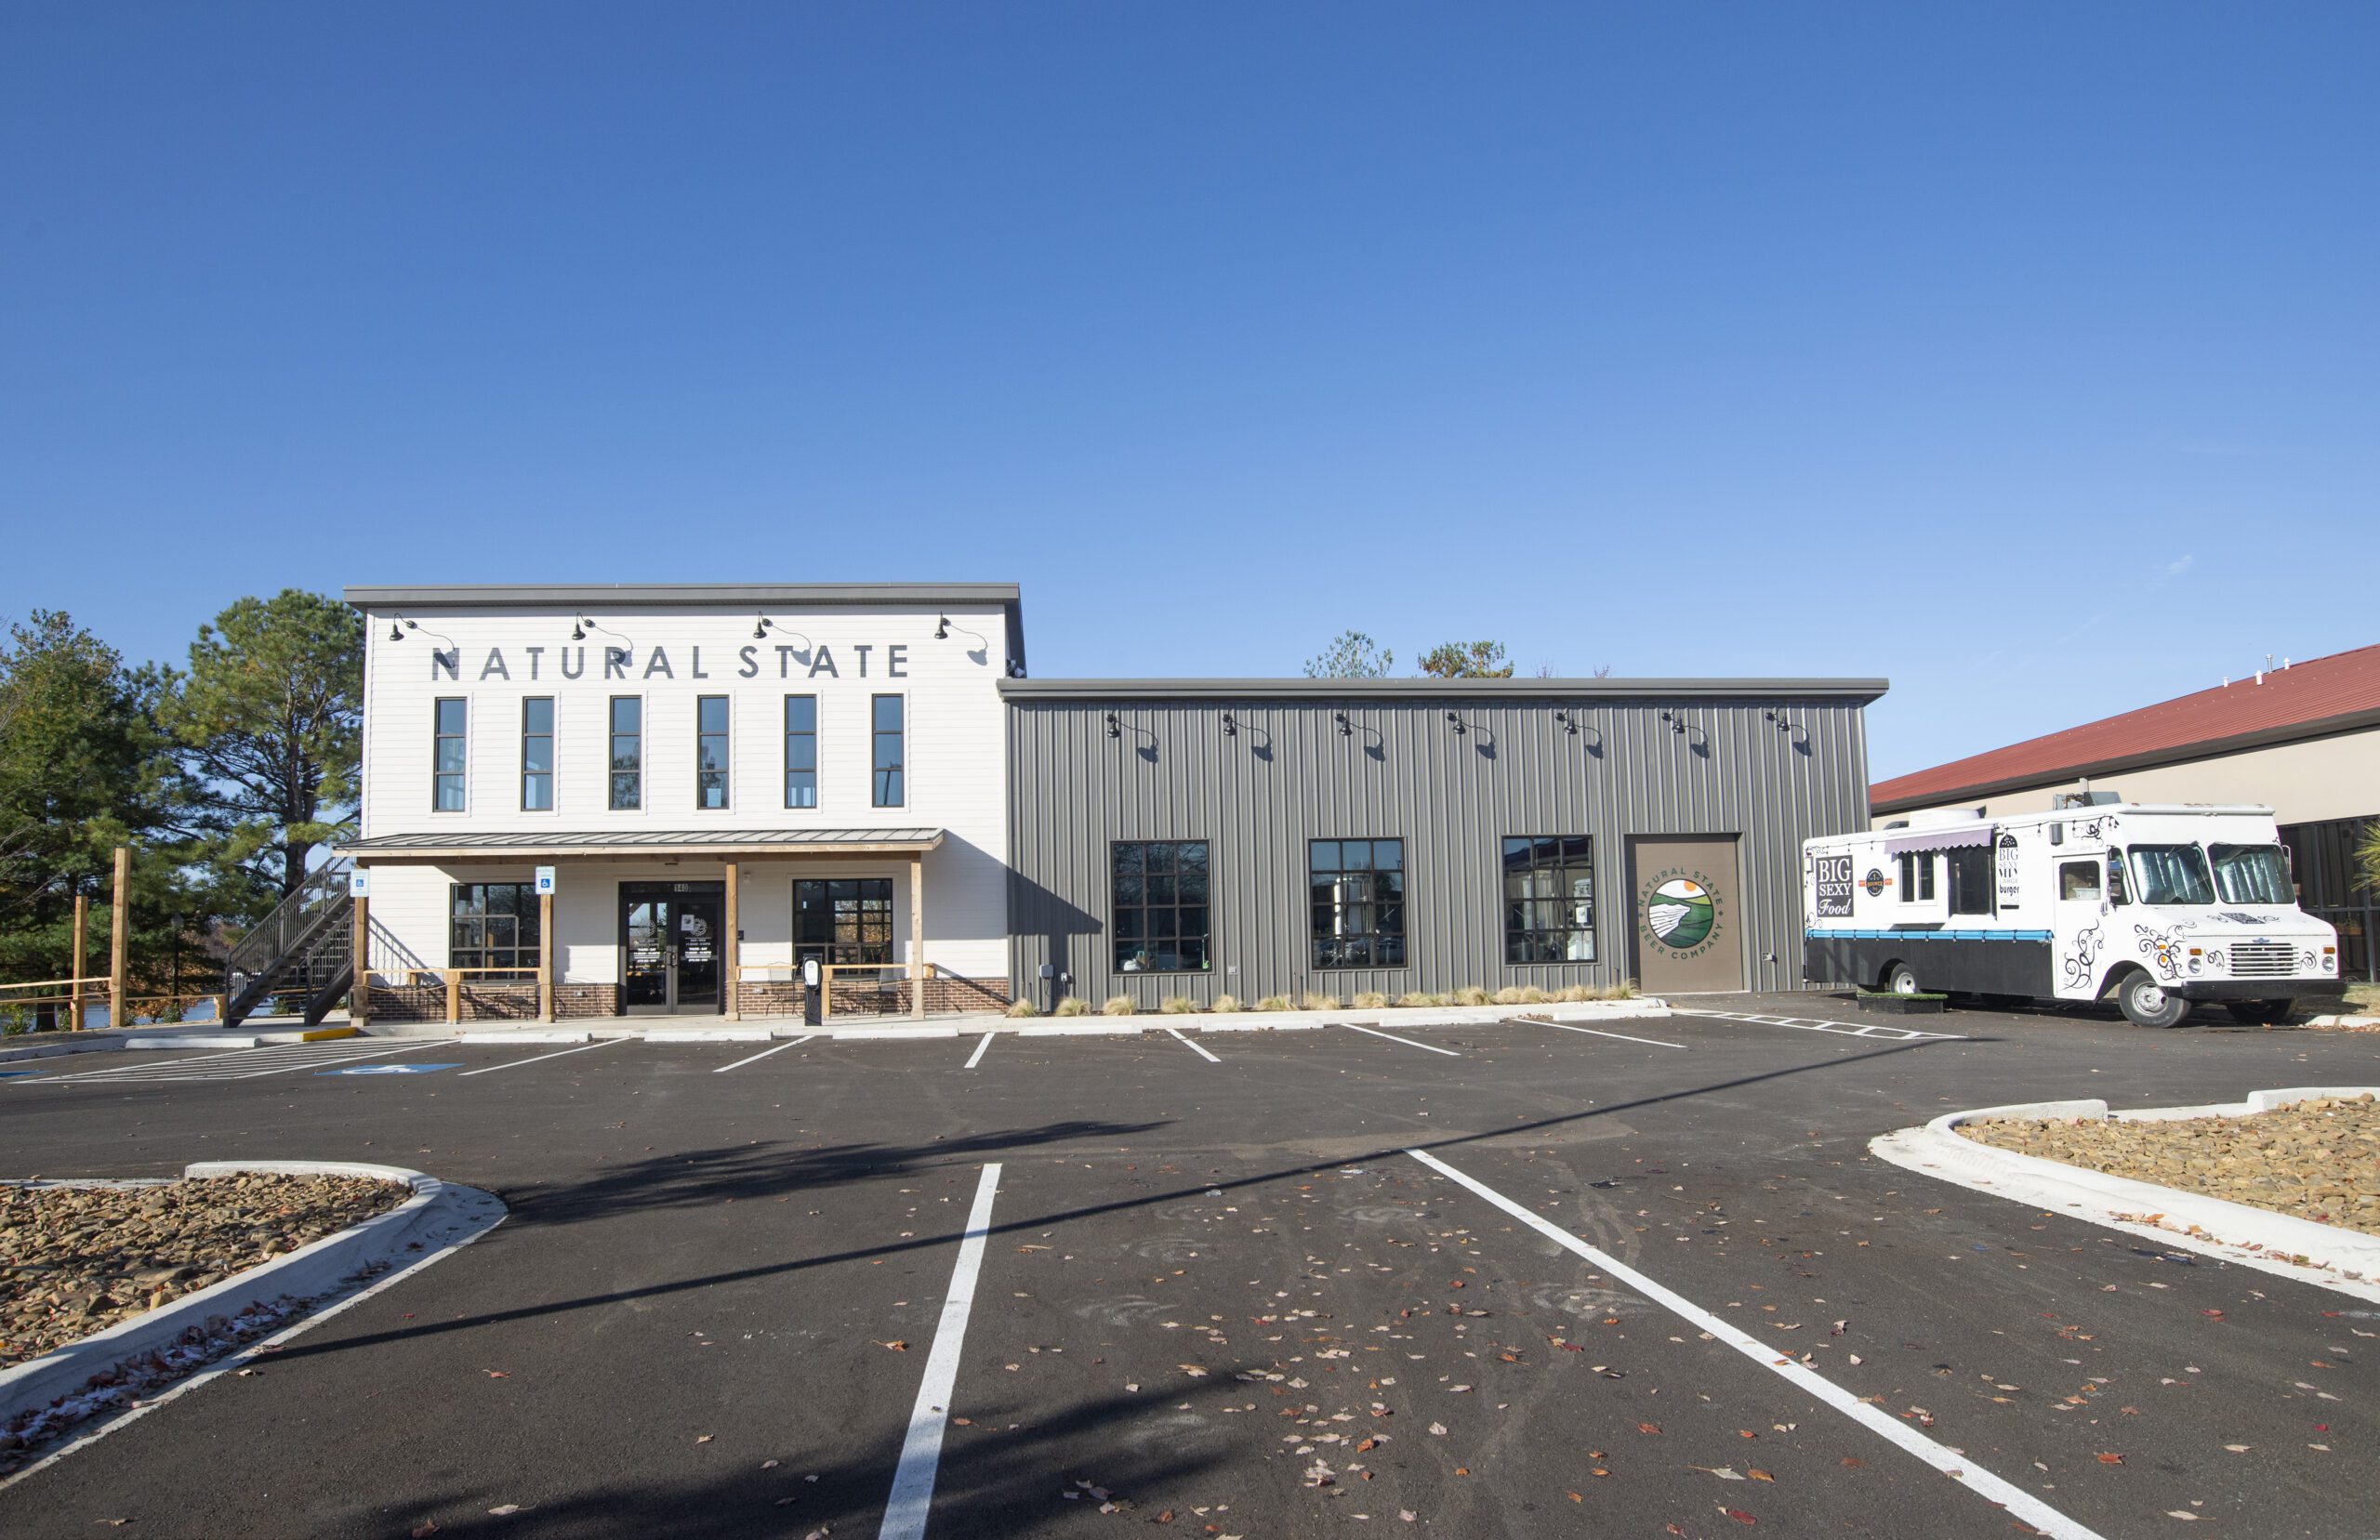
(2026, 354)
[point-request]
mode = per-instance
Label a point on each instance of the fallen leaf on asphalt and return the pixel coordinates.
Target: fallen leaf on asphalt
(771, 1464)
(1739, 1515)
(506, 1511)
(2106, 1458)
(1438, 1429)
(1759, 1475)
(498, 1374)
(705, 1438)
(899, 1345)
(1648, 1428)
(2238, 1448)
(423, 1532)
(2183, 1514)
(1724, 1473)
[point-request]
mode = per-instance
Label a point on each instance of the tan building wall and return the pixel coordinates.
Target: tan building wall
(2302, 783)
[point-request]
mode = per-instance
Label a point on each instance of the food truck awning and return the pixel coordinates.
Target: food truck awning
(1917, 842)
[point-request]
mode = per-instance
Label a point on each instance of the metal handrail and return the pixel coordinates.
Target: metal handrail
(271, 938)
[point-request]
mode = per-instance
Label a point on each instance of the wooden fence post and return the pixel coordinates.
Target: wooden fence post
(82, 921)
(359, 990)
(119, 937)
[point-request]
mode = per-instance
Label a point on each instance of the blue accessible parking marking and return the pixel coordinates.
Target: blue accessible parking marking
(392, 1069)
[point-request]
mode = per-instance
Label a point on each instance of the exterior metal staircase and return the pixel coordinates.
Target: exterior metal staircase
(302, 950)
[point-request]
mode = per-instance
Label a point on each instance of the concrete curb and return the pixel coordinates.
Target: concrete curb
(439, 1214)
(2342, 1020)
(2327, 1256)
(1575, 1013)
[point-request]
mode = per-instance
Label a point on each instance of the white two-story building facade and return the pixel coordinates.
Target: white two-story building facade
(617, 799)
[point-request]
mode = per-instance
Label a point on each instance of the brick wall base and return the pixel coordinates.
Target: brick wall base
(854, 997)
(518, 1002)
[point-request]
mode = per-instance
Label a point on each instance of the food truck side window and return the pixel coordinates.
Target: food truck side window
(2079, 880)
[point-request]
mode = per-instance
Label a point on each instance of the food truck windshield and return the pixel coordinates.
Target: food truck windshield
(2170, 874)
(2252, 873)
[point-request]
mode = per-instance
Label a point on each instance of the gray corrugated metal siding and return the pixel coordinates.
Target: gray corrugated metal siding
(1290, 776)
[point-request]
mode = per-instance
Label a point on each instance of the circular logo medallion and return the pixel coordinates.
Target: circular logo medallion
(1680, 914)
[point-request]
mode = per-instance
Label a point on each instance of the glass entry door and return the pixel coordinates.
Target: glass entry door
(670, 947)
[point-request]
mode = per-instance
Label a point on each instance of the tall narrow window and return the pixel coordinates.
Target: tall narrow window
(1550, 899)
(890, 792)
(711, 751)
(537, 754)
(802, 751)
(448, 755)
(1357, 888)
(1916, 877)
(627, 753)
(1163, 920)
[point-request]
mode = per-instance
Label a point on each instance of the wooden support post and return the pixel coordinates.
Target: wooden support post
(545, 956)
(918, 937)
(82, 922)
(730, 953)
(358, 952)
(454, 996)
(120, 937)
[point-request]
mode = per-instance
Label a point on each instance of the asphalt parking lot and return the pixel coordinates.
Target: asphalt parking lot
(1212, 1288)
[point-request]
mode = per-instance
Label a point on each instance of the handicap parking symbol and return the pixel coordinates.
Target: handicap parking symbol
(393, 1068)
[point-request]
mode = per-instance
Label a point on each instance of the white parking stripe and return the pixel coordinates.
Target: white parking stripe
(2017, 1501)
(905, 1512)
(1839, 1029)
(762, 1054)
(977, 1057)
(1622, 1035)
(1194, 1048)
(311, 1062)
(1393, 1038)
(606, 1043)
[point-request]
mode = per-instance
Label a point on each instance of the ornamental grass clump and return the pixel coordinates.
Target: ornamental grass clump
(1225, 1004)
(1118, 1004)
(1416, 998)
(1275, 1002)
(1472, 994)
(1020, 1009)
(1073, 1004)
(1179, 1005)
(1370, 999)
(1318, 1002)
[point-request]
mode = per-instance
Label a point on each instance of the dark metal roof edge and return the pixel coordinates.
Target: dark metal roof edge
(1863, 690)
(681, 594)
(2178, 754)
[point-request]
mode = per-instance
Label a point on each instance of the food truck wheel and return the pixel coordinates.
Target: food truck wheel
(2147, 1005)
(1900, 979)
(2261, 1013)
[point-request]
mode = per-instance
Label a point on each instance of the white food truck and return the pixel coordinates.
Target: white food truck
(2164, 905)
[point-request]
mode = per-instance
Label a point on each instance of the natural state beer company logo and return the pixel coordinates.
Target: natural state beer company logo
(1875, 882)
(1681, 912)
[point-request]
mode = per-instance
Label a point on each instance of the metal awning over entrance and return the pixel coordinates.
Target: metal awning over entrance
(630, 844)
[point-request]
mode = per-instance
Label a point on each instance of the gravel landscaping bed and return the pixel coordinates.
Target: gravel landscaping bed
(75, 1260)
(2315, 1160)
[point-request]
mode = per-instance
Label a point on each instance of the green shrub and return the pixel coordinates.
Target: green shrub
(1370, 999)
(1073, 1004)
(1022, 1010)
(1275, 1002)
(1225, 1004)
(1179, 1005)
(1118, 1004)
(16, 1018)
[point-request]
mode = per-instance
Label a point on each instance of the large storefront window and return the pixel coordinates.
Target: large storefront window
(1163, 921)
(1550, 899)
(846, 920)
(494, 925)
(1358, 889)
